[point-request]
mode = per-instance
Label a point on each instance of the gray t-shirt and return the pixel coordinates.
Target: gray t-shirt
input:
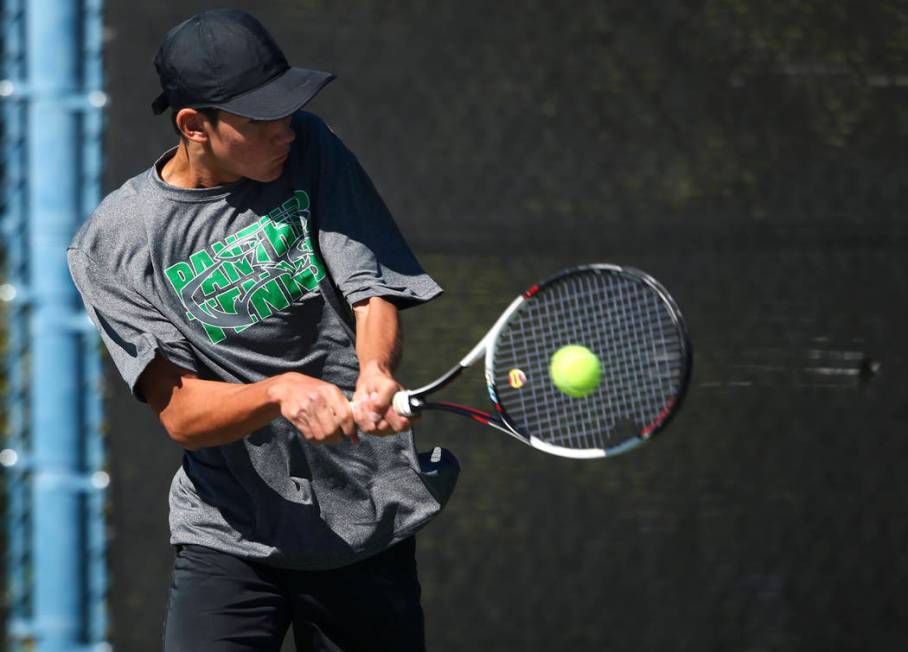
(229, 282)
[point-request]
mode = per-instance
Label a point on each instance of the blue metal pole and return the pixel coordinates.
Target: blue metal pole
(53, 60)
(14, 292)
(92, 390)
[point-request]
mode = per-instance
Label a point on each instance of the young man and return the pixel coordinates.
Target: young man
(221, 280)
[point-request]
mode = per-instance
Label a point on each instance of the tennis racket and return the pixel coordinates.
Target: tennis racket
(624, 317)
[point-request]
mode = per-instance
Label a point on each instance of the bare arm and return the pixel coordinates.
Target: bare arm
(199, 413)
(378, 351)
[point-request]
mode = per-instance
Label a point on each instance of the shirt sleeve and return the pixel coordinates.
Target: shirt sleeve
(132, 329)
(363, 248)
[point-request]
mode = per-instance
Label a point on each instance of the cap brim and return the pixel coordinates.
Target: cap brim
(285, 94)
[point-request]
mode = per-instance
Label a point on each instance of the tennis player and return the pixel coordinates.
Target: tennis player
(246, 286)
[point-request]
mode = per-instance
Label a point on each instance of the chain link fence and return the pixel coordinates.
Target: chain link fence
(751, 156)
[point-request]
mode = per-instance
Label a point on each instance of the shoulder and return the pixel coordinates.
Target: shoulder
(305, 123)
(312, 132)
(115, 230)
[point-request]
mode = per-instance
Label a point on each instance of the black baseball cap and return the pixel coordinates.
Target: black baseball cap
(226, 59)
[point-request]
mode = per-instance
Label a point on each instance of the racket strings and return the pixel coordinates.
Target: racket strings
(632, 330)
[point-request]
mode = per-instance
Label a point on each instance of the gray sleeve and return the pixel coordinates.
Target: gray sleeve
(132, 329)
(364, 250)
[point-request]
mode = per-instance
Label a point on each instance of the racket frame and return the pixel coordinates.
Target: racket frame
(410, 402)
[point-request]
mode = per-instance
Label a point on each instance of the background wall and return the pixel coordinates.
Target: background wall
(748, 154)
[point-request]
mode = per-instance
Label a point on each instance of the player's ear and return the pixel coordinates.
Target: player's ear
(192, 125)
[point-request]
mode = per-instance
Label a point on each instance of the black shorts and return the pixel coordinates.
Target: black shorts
(220, 603)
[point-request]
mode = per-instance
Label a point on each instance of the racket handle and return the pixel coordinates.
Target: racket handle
(401, 404)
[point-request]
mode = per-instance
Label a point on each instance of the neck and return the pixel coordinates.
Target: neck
(189, 168)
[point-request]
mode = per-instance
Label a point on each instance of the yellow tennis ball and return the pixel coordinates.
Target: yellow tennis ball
(575, 370)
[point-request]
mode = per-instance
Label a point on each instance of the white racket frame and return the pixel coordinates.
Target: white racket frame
(405, 401)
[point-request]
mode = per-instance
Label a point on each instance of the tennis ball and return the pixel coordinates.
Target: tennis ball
(575, 370)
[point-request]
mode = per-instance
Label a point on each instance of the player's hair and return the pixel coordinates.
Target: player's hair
(212, 114)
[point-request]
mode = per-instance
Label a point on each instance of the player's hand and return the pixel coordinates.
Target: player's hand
(319, 410)
(375, 390)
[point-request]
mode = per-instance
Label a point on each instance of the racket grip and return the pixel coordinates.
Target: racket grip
(401, 404)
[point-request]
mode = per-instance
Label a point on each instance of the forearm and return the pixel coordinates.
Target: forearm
(378, 335)
(200, 413)
(378, 349)
(203, 413)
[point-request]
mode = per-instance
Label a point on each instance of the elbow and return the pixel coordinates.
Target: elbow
(186, 443)
(179, 433)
